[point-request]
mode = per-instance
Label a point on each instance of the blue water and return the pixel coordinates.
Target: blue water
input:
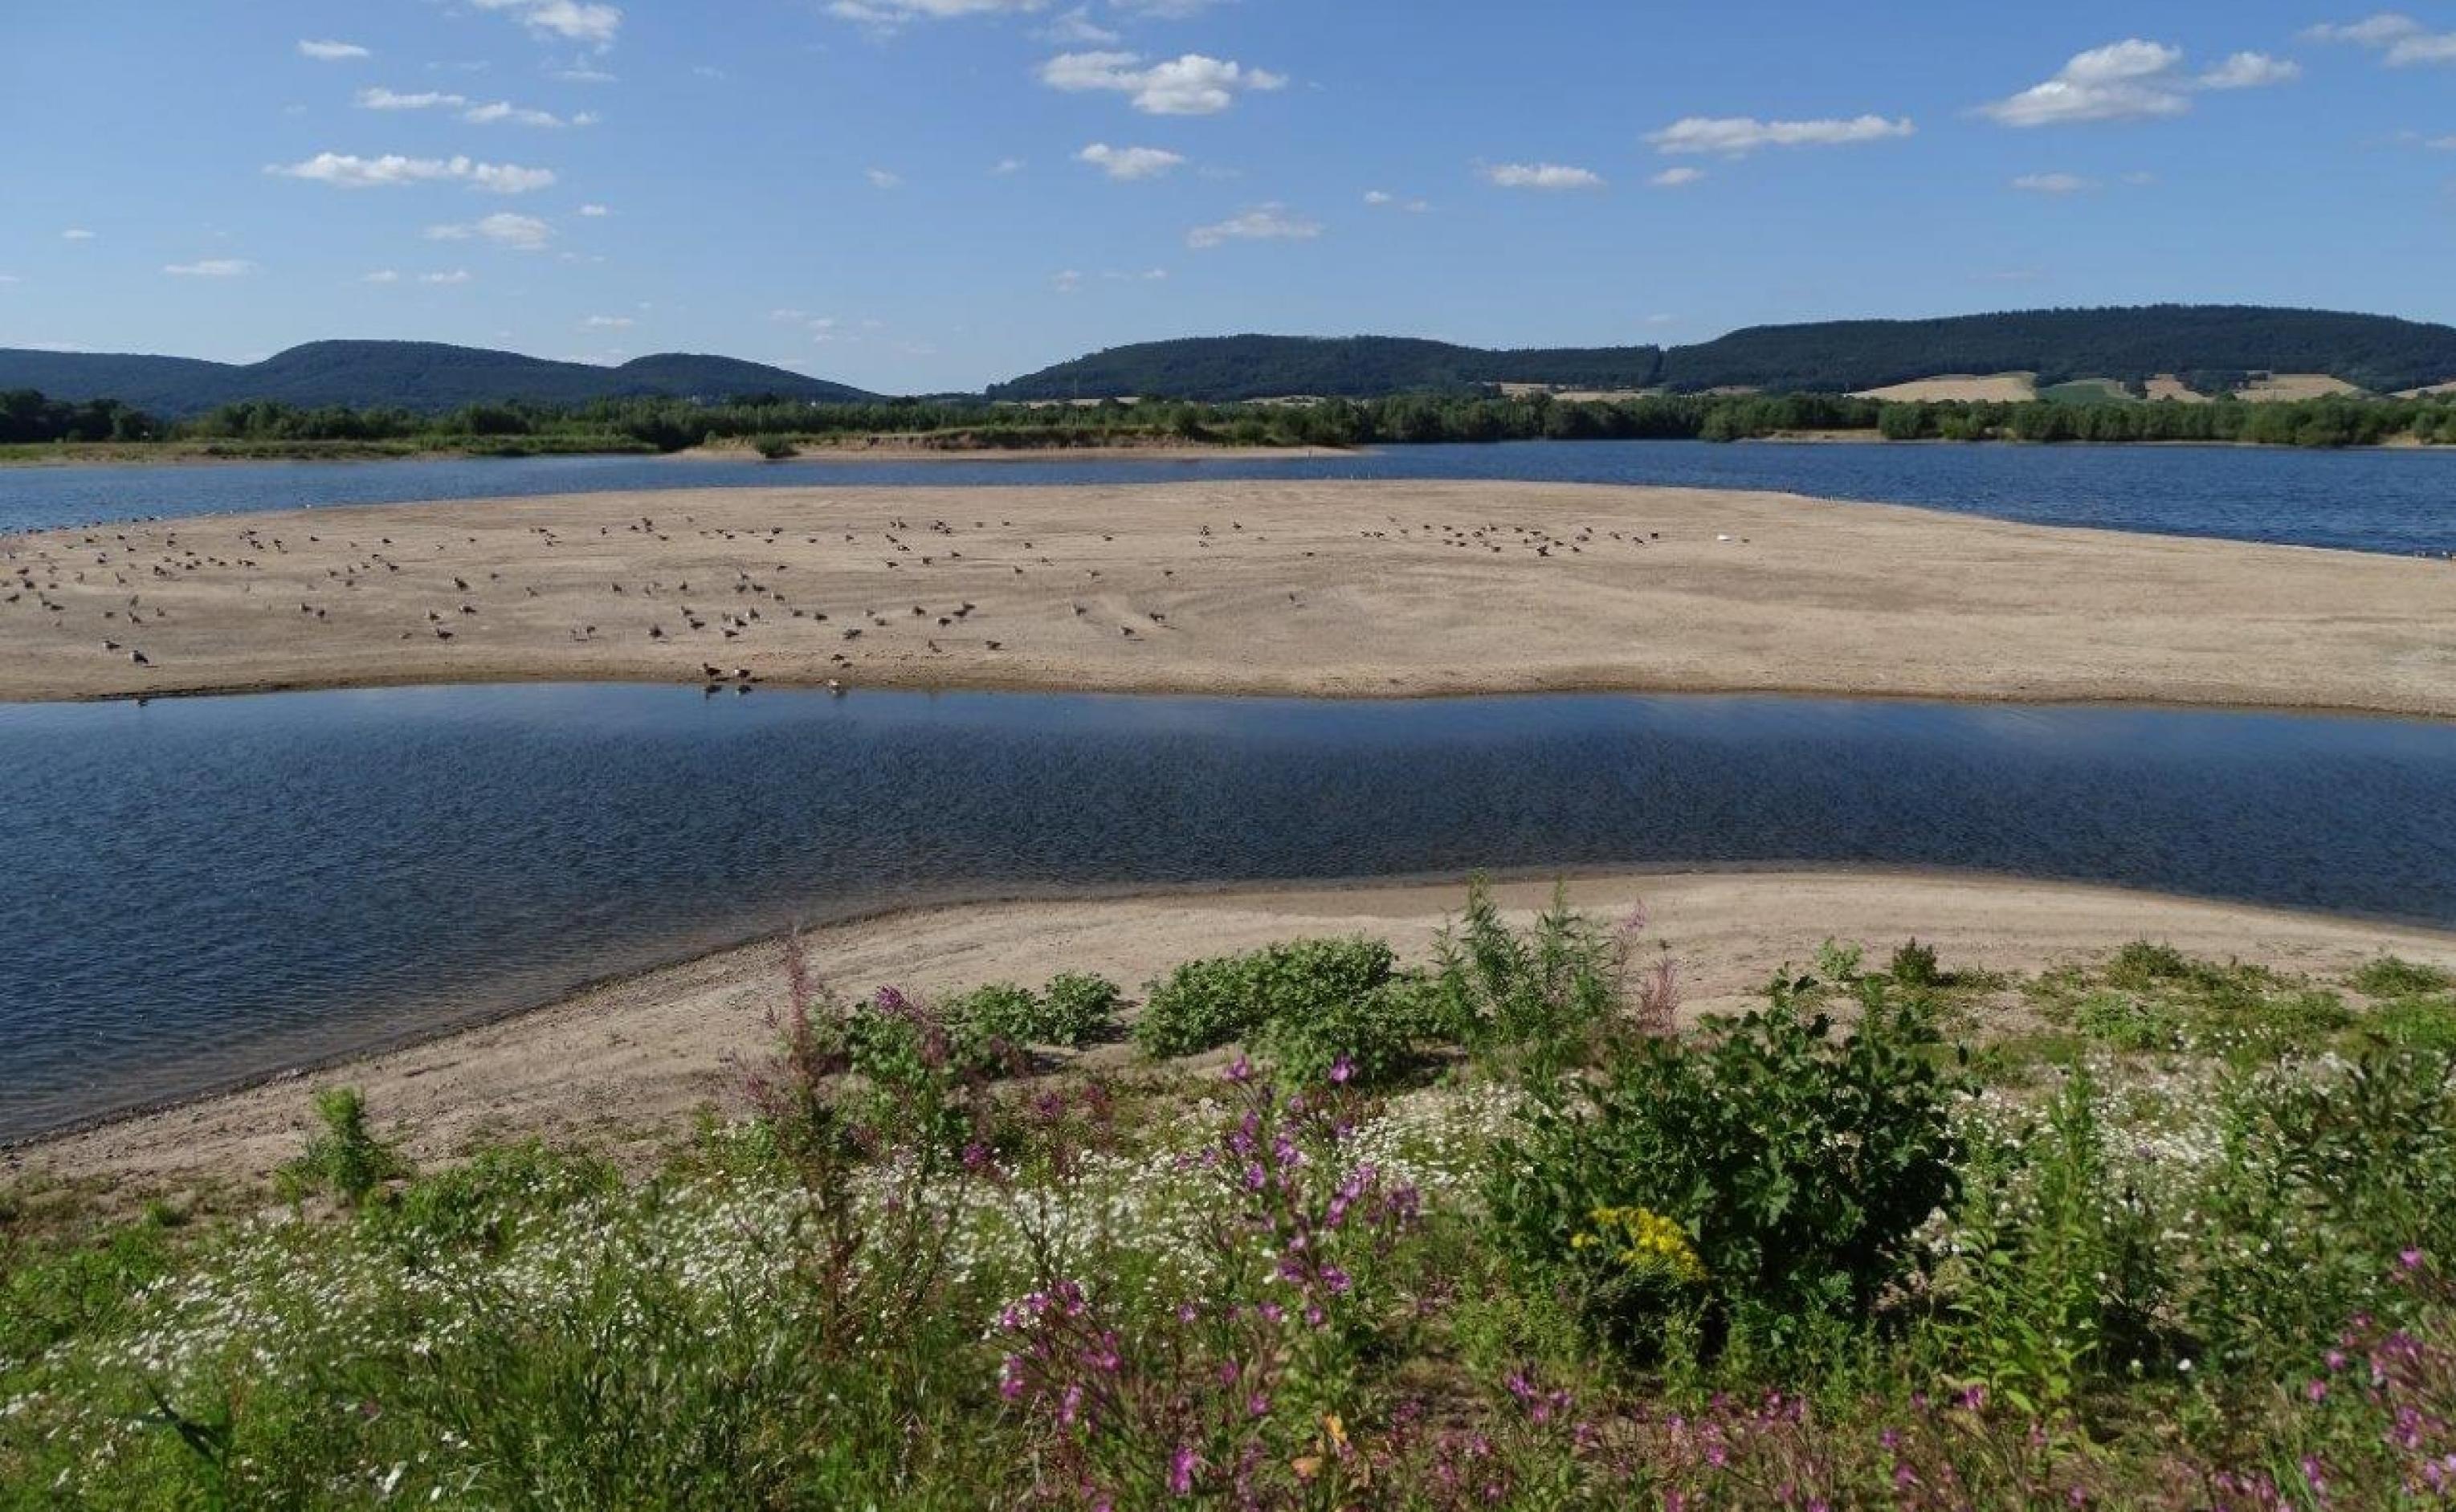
(2362, 501)
(196, 889)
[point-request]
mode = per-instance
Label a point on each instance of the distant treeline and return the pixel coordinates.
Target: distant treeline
(668, 425)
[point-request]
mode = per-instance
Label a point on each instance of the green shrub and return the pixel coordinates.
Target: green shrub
(1535, 1001)
(2127, 1022)
(1078, 1006)
(774, 448)
(1914, 966)
(1794, 1163)
(482, 1207)
(1206, 1004)
(2416, 1023)
(1074, 1009)
(1377, 1036)
(2391, 978)
(346, 1159)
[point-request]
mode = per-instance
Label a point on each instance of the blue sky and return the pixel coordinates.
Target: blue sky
(916, 194)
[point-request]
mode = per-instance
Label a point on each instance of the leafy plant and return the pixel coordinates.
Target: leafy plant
(1206, 1004)
(1914, 966)
(1366, 1039)
(1796, 1161)
(1538, 1000)
(774, 448)
(2388, 976)
(345, 1158)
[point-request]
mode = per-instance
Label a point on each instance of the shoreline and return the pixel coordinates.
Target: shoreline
(1279, 587)
(627, 1056)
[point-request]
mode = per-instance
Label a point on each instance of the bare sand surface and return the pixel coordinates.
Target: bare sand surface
(1967, 388)
(1294, 588)
(622, 1067)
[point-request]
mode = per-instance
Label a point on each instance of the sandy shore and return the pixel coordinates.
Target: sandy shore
(1355, 588)
(623, 1067)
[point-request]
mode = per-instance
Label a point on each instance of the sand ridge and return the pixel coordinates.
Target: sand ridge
(1261, 588)
(622, 1067)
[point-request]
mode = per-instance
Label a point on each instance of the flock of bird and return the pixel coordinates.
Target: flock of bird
(724, 598)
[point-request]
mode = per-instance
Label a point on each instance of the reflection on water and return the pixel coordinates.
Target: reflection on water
(198, 888)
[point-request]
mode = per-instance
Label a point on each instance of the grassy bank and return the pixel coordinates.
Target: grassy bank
(1488, 1230)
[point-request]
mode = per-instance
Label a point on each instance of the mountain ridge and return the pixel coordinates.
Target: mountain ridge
(427, 376)
(2380, 353)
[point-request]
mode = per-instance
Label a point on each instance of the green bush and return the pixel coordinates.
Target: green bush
(774, 448)
(346, 1159)
(1535, 1001)
(1078, 1006)
(1206, 1004)
(1914, 966)
(1794, 1165)
(1069, 1012)
(2416, 1023)
(2127, 1022)
(2391, 978)
(1377, 1036)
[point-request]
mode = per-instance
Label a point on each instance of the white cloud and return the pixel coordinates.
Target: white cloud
(522, 115)
(383, 99)
(1541, 175)
(1129, 163)
(1270, 223)
(333, 52)
(455, 276)
(381, 275)
(1192, 85)
(1005, 166)
(1077, 26)
(2444, 144)
(572, 20)
(594, 212)
(1736, 135)
(2127, 80)
(2251, 71)
(1384, 200)
(608, 322)
(581, 71)
(519, 232)
(885, 16)
(211, 268)
(1376, 196)
(2441, 49)
(9, 277)
(1067, 282)
(1677, 177)
(348, 171)
(76, 233)
(881, 178)
(2379, 30)
(2054, 183)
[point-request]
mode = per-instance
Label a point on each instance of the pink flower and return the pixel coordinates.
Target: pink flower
(1180, 1471)
(1341, 1070)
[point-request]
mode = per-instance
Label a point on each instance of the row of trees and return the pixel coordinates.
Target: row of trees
(26, 416)
(667, 424)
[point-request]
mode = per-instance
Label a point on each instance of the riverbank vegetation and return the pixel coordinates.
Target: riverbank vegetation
(33, 428)
(1500, 1228)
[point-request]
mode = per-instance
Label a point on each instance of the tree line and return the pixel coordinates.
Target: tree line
(668, 424)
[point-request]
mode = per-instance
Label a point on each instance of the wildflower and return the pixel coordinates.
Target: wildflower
(1180, 1471)
(1341, 1070)
(1239, 1070)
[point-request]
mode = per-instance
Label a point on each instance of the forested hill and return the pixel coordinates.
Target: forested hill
(1238, 367)
(408, 374)
(2372, 352)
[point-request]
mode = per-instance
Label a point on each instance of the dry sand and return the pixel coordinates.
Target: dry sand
(1354, 588)
(622, 1067)
(1997, 388)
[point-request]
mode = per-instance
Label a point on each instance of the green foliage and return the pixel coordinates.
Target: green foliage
(1538, 1000)
(345, 1159)
(2056, 1269)
(1913, 966)
(1074, 1009)
(1376, 1035)
(2415, 1023)
(2391, 978)
(1206, 1004)
(1796, 1163)
(2128, 1023)
(774, 448)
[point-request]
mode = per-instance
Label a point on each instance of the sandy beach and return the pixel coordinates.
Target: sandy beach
(622, 1067)
(1297, 587)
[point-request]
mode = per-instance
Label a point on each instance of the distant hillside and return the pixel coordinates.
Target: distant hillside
(1239, 367)
(2217, 343)
(411, 374)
